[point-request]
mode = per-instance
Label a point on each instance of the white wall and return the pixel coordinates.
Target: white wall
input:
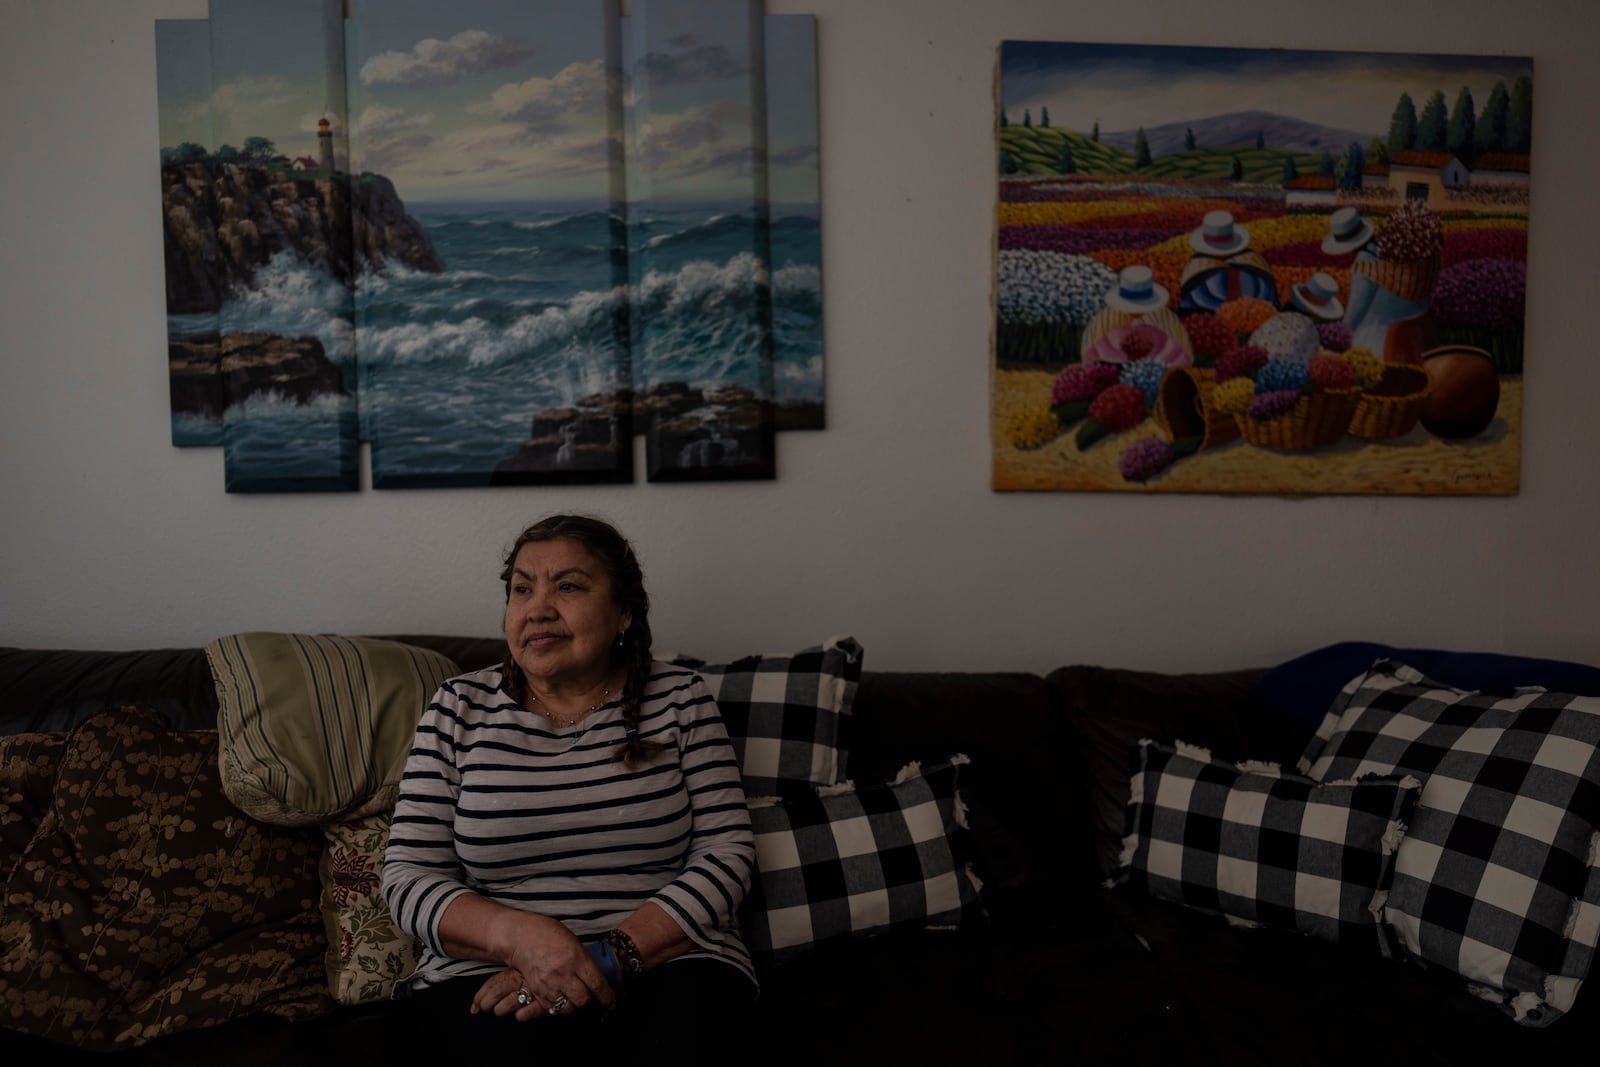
(884, 525)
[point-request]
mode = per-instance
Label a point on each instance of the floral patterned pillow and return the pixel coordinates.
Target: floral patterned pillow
(145, 903)
(28, 764)
(367, 953)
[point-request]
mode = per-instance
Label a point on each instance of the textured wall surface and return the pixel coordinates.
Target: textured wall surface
(884, 525)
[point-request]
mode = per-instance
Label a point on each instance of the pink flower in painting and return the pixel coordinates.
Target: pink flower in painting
(1481, 292)
(1334, 336)
(1412, 232)
(1242, 362)
(1328, 371)
(1082, 381)
(1212, 338)
(1463, 245)
(1145, 458)
(1138, 340)
(1271, 405)
(1121, 407)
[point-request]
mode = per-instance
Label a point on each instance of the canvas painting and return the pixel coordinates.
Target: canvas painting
(189, 253)
(286, 352)
(476, 238)
(1259, 271)
(794, 216)
(492, 307)
(699, 254)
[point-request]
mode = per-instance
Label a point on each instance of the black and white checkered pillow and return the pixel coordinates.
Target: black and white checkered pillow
(1497, 877)
(787, 715)
(1256, 844)
(847, 863)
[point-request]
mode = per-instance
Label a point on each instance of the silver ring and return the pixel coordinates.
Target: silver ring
(559, 1006)
(524, 997)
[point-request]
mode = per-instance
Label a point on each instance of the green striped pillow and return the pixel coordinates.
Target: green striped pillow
(317, 728)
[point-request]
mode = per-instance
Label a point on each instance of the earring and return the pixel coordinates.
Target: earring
(620, 637)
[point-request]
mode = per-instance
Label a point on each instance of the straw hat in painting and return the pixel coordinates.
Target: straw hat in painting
(1347, 231)
(1318, 296)
(1136, 291)
(1219, 235)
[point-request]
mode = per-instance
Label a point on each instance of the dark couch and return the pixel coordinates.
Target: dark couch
(1059, 968)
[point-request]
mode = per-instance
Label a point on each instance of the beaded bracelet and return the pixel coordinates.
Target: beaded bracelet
(627, 952)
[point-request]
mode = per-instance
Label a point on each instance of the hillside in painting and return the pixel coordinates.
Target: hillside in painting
(1219, 141)
(1240, 128)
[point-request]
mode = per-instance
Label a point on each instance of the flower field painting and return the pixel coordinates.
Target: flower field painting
(1259, 271)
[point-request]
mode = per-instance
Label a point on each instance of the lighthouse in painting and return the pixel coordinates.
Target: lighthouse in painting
(325, 146)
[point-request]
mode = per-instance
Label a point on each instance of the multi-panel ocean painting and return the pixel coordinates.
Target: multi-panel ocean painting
(483, 311)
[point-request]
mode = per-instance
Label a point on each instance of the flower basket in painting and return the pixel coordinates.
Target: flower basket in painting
(1391, 407)
(1315, 421)
(1105, 320)
(1184, 409)
(1409, 279)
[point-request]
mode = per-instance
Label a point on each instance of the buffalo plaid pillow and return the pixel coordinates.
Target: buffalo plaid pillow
(787, 714)
(1496, 878)
(847, 863)
(1264, 847)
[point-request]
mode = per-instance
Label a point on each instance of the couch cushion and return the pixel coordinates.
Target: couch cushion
(1305, 687)
(317, 728)
(1067, 985)
(28, 764)
(1025, 798)
(848, 863)
(1275, 997)
(467, 653)
(146, 904)
(1496, 878)
(52, 690)
(1109, 710)
(787, 714)
(367, 954)
(1262, 846)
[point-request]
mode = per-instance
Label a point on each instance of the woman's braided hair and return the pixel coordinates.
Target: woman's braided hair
(615, 554)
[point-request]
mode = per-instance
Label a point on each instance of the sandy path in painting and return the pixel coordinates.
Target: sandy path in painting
(1416, 462)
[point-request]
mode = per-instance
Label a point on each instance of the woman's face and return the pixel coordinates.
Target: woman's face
(561, 620)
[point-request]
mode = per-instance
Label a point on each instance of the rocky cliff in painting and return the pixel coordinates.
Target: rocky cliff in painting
(295, 368)
(703, 429)
(222, 222)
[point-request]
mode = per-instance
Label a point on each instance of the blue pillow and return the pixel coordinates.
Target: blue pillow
(1304, 687)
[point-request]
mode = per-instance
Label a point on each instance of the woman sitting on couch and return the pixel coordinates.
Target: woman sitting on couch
(571, 841)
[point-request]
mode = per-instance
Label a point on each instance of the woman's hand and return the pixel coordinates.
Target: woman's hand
(550, 961)
(546, 960)
(555, 967)
(499, 995)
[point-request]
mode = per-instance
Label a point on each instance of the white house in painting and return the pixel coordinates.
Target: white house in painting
(1424, 176)
(1502, 168)
(1310, 190)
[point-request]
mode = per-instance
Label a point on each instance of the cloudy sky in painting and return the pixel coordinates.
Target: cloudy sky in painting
(1127, 86)
(504, 99)
(484, 100)
(251, 70)
(792, 131)
(694, 131)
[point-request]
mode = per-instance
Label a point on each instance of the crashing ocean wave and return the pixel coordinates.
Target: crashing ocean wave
(291, 298)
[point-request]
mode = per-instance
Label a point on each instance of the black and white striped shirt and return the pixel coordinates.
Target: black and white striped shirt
(498, 801)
